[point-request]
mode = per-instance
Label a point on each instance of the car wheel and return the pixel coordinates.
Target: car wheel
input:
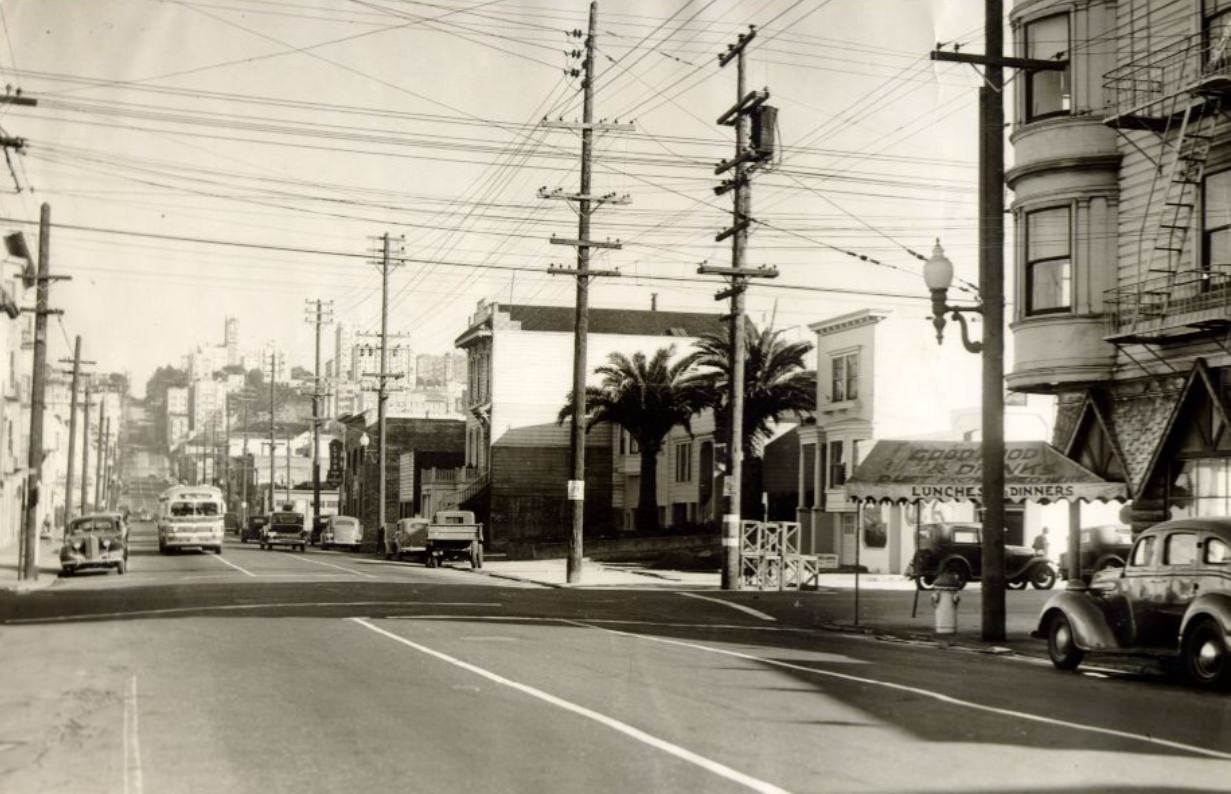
(431, 560)
(1043, 578)
(956, 573)
(1016, 584)
(242, 539)
(1061, 645)
(324, 546)
(218, 549)
(925, 582)
(121, 567)
(1206, 661)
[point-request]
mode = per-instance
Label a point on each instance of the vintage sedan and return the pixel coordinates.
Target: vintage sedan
(956, 550)
(1103, 546)
(1172, 599)
(96, 540)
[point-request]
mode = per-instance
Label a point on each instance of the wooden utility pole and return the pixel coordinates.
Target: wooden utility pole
(273, 362)
(744, 163)
(991, 296)
(85, 446)
(102, 448)
(319, 312)
(72, 429)
(382, 388)
(29, 560)
(586, 203)
(105, 459)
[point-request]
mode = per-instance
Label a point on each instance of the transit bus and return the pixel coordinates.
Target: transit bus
(190, 516)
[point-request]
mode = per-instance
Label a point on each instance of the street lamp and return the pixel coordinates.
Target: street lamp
(938, 276)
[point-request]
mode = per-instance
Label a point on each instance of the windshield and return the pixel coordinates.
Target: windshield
(287, 519)
(194, 508)
(93, 525)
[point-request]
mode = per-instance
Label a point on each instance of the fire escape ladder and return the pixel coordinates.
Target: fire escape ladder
(1183, 191)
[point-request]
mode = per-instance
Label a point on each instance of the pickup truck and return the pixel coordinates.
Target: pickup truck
(455, 535)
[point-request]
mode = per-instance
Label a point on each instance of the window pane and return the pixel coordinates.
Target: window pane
(1050, 284)
(838, 387)
(1048, 91)
(1047, 234)
(1218, 249)
(1217, 552)
(1143, 551)
(1181, 549)
(852, 376)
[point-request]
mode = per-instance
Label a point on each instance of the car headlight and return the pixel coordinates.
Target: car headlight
(303, 533)
(106, 544)
(77, 545)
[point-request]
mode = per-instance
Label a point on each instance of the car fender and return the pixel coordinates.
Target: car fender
(1091, 631)
(960, 560)
(1214, 605)
(1027, 567)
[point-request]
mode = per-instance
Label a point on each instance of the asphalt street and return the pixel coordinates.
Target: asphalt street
(268, 671)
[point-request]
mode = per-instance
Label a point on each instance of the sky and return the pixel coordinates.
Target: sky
(215, 158)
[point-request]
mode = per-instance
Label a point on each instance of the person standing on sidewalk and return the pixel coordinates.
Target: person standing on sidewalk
(1042, 544)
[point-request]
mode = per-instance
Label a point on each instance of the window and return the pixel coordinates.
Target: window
(1180, 549)
(1216, 34)
(1201, 488)
(1216, 221)
(683, 461)
(1048, 266)
(1143, 552)
(1217, 552)
(844, 384)
(1048, 92)
(837, 469)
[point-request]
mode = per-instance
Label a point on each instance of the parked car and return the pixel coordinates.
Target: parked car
(1103, 546)
(1172, 599)
(285, 528)
(341, 531)
(318, 527)
(95, 540)
(253, 530)
(956, 549)
(409, 538)
(230, 522)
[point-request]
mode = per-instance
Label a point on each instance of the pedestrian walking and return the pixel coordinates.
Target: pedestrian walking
(1042, 544)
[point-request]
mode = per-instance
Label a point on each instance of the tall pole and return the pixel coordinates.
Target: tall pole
(29, 562)
(317, 316)
(102, 449)
(991, 289)
(577, 425)
(105, 459)
(85, 447)
(743, 163)
(244, 511)
(383, 394)
(288, 468)
(272, 446)
(72, 432)
(226, 449)
(587, 203)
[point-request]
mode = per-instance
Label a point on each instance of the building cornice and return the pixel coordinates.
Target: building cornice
(1097, 162)
(848, 321)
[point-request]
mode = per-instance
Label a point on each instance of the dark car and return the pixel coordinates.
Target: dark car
(1172, 599)
(1103, 546)
(318, 526)
(230, 522)
(955, 549)
(254, 528)
(285, 528)
(97, 540)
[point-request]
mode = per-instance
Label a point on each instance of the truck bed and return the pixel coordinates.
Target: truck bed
(454, 532)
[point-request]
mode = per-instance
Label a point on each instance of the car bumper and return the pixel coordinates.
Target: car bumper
(190, 540)
(284, 540)
(77, 562)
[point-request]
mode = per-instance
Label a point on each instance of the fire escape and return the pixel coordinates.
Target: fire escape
(1176, 95)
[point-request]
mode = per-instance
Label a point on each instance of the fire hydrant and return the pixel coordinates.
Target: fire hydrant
(945, 599)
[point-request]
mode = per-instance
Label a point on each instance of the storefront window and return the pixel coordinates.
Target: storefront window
(1202, 487)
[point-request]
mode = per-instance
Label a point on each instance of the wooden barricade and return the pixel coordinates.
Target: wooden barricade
(770, 557)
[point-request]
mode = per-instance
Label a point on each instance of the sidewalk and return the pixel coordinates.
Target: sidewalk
(886, 602)
(10, 565)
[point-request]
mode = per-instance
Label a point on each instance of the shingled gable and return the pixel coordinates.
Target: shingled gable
(634, 322)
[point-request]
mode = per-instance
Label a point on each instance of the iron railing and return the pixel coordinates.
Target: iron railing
(1165, 305)
(1142, 86)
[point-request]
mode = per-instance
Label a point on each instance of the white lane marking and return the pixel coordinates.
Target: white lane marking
(707, 764)
(1021, 715)
(339, 567)
(231, 607)
(133, 778)
(749, 610)
(225, 561)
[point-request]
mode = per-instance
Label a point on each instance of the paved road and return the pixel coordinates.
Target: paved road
(268, 671)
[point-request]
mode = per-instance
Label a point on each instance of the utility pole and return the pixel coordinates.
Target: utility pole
(319, 312)
(85, 446)
(245, 397)
(586, 203)
(747, 160)
(273, 447)
(991, 296)
(102, 449)
(104, 502)
(382, 390)
(72, 428)
(29, 559)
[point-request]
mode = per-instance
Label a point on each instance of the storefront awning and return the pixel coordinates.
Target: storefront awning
(1034, 471)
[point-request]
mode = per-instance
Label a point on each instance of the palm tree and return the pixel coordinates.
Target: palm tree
(646, 397)
(777, 383)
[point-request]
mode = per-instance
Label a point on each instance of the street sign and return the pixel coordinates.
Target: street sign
(576, 490)
(827, 561)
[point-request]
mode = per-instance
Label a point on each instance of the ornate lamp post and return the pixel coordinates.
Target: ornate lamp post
(938, 275)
